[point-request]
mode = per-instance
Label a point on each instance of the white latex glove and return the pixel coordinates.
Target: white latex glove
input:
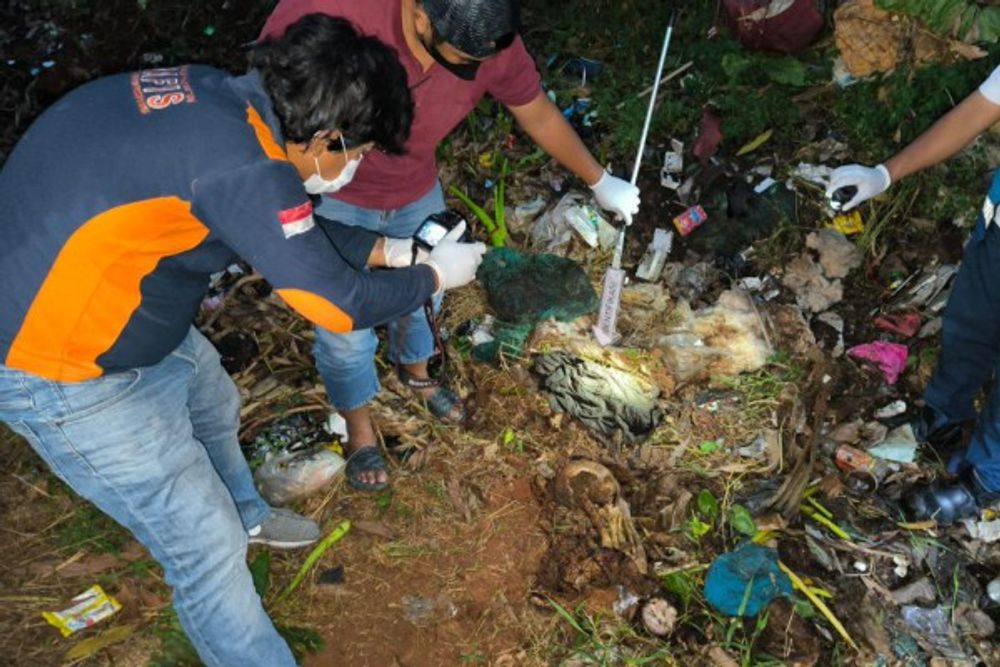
(617, 196)
(399, 253)
(455, 263)
(870, 182)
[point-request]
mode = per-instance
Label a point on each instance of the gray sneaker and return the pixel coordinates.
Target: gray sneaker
(284, 529)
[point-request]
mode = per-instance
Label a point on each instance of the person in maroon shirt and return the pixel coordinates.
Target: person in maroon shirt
(454, 53)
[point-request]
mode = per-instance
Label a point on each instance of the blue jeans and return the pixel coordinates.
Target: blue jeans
(970, 352)
(346, 362)
(156, 449)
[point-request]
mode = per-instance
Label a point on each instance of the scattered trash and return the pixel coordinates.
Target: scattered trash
(894, 409)
(587, 222)
(984, 531)
(554, 229)
(783, 26)
(526, 213)
(524, 290)
(865, 472)
(91, 606)
(871, 40)
(745, 581)
(935, 626)
(814, 292)
(690, 220)
(841, 75)
(930, 292)
(993, 590)
(609, 401)
(659, 617)
(551, 232)
(765, 185)
(652, 263)
(902, 569)
(848, 224)
(766, 445)
(627, 600)
(482, 333)
(293, 475)
(725, 339)
(817, 174)
(709, 135)
(689, 282)
(673, 165)
(297, 433)
(837, 255)
(905, 324)
(422, 611)
(899, 446)
(336, 426)
(890, 357)
(921, 591)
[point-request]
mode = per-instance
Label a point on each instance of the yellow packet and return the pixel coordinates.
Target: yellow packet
(92, 606)
(848, 223)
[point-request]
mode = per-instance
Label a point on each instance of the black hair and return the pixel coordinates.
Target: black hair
(323, 75)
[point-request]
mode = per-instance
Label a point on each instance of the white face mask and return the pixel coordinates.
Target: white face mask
(317, 185)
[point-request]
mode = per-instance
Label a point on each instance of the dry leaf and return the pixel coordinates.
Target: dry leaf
(92, 645)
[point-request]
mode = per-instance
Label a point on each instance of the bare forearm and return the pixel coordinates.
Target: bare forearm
(949, 135)
(548, 128)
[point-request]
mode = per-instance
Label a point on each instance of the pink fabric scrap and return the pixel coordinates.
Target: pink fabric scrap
(890, 357)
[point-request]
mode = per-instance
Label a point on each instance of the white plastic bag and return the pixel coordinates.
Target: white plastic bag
(294, 475)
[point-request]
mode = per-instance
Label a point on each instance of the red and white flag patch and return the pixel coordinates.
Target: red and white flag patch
(297, 220)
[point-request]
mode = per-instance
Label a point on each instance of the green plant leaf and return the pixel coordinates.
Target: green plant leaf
(682, 584)
(734, 64)
(708, 506)
(788, 71)
(698, 528)
(742, 521)
(710, 446)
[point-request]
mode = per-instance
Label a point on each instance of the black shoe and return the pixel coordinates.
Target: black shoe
(942, 437)
(963, 499)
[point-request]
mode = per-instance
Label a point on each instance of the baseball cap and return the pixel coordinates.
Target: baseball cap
(479, 28)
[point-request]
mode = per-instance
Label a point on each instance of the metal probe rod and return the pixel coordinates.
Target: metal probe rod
(620, 246)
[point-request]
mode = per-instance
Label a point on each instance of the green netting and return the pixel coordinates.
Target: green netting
(523, 290)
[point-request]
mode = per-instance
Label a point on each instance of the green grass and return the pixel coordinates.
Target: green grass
(90, 529)
(609, 643)
(760, 389)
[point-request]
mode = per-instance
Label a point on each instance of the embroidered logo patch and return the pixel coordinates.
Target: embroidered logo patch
(297, 220)
(156, 89)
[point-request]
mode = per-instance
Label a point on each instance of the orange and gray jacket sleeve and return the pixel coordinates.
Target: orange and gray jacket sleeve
(264, 215)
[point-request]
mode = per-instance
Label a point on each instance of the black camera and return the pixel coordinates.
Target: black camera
(435, 227)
